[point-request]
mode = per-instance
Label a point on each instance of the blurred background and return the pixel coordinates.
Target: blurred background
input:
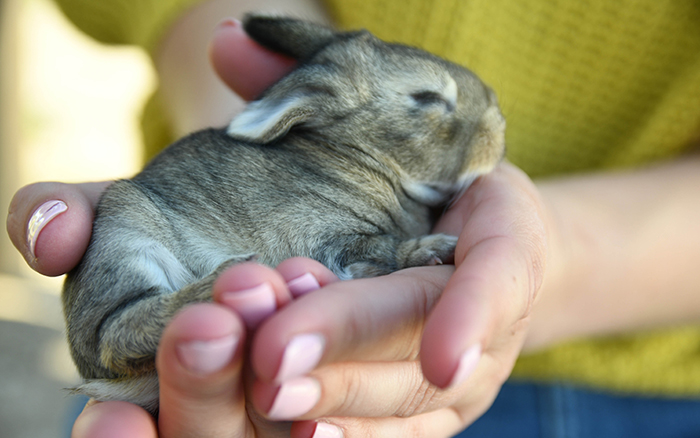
(69, 110)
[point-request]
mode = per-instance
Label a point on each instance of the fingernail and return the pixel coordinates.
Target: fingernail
(206, 357)
(294, 398)
(253, 305)
(229, 22)
(303, 284)
(301, 355)
(325, 430)
(40, 218)
(467, 364)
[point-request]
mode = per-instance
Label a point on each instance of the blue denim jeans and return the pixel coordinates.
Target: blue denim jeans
(559, 411)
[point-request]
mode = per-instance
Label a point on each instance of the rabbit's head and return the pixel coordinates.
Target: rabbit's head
(433, 120)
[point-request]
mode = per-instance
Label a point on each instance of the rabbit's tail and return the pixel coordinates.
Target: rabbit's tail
(141, 390)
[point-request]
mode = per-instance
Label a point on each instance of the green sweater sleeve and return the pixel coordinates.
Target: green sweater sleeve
(136, 22)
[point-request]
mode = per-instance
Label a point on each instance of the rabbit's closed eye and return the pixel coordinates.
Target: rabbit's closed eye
(431, 98)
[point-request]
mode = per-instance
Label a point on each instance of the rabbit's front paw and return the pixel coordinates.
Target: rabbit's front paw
(365, 269)
(431, 250)
(390, 255)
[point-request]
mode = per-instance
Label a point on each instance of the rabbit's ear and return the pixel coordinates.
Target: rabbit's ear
(266, 120)
(296, 38)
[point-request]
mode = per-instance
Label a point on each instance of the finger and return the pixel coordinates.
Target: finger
(51, 223)
(443, 423)
(369, 319)
(251, 290)
(245, 66)
(500, 260)
(256, 291)
(304, 275)
(352, 389)
(483, 299)
(364, 405)
(114, 420)
(199, 365)
(376, 389)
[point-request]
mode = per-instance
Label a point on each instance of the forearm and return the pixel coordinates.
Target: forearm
(624, 253)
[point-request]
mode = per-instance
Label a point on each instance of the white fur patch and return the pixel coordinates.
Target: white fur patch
(160, 266)
(345, 275)
(450, 92)
(259, 118)
(141, 390)
(436, 193)
(423, 192)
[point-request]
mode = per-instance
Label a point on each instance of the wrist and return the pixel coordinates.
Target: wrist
(555, 314)
(623, 252)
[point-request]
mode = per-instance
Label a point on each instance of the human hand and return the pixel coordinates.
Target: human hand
(201, 362)
(375, 345)
(420, 352)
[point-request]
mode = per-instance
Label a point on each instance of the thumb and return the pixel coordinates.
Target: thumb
(479, 310)
(199, 369)
(245, 66)
(51, 223)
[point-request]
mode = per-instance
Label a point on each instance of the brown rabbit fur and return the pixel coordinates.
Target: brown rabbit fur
(343, 161)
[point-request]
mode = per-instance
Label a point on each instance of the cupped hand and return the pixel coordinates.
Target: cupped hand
(201, 362)
(421, 352)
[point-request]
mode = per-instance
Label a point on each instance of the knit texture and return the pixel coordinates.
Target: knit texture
(584, 85)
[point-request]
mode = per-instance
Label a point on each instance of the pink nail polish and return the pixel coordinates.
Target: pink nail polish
(303, 284)
(229, 22)
(40, 218)
(325, 430)
(253, 305)
(301, 355)
(207, 357)
(467, 365)
(295, 398)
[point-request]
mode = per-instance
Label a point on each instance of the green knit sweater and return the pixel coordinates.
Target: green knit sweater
(583, 84)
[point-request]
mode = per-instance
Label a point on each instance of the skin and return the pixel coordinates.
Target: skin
(535, 265)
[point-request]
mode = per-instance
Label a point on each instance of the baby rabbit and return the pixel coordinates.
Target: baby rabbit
(343, 161)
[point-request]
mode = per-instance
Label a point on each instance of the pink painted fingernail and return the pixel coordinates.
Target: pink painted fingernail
(206, 357)
(40, 218)
(325, 430)
(467, 364)
(253, 305)
(303, 284)
(301, 355)
(294, 398)
(229, 22)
